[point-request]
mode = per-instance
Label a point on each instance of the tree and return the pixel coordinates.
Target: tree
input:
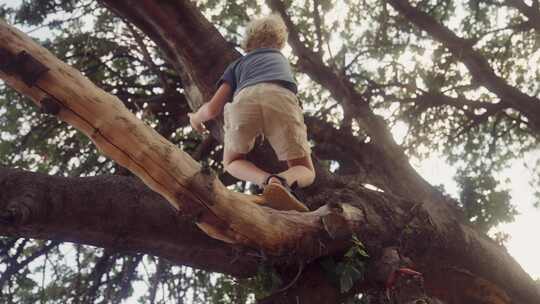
(474, 104)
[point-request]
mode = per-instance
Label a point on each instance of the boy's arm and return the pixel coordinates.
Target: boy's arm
(212, 108)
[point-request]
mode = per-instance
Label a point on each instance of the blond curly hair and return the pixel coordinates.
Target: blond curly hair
(266, 32)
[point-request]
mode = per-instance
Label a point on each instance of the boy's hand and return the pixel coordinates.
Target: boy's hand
(196, 124)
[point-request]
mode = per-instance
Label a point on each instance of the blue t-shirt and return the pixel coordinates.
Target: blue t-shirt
(259, 65)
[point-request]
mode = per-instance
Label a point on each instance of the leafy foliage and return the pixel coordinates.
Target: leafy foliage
(350, 269)
(483, 204)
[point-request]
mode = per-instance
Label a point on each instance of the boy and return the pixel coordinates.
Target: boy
(264, 103)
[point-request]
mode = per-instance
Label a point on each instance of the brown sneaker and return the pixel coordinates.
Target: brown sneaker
(280, 196)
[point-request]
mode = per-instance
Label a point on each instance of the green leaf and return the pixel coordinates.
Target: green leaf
(362, 252)
(350, 253)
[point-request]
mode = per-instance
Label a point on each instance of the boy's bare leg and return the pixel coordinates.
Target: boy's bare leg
(300, 170)
(237, 165)
(276, 197)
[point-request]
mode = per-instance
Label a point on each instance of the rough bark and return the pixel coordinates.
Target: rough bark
(114, 212)
(444, 248)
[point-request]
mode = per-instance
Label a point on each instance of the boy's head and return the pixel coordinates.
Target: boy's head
(266, 32)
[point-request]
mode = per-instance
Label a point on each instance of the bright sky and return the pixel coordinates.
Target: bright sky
(523, 245)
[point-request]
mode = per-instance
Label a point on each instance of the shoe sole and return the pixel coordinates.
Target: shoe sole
(277, 197)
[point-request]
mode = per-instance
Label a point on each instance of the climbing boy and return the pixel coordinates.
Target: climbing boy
(264, 103)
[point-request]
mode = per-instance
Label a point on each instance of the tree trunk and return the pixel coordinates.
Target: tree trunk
(445, 249)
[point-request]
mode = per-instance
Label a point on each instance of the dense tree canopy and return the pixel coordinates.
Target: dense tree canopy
(459, 79)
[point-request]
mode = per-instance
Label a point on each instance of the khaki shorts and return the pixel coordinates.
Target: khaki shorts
(269, 110)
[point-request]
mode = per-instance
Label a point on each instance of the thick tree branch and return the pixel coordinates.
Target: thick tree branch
(113, 212)
(356, 157)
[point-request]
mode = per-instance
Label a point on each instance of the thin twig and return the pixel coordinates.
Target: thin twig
(300, 270)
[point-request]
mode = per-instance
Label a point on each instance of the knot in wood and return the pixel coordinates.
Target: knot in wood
(7, 217)
(335, 207)
(15, 214)
(336, 226)
(205, 169)
(202, 183)
(50, 106)
(196, 217)
(24, 66)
